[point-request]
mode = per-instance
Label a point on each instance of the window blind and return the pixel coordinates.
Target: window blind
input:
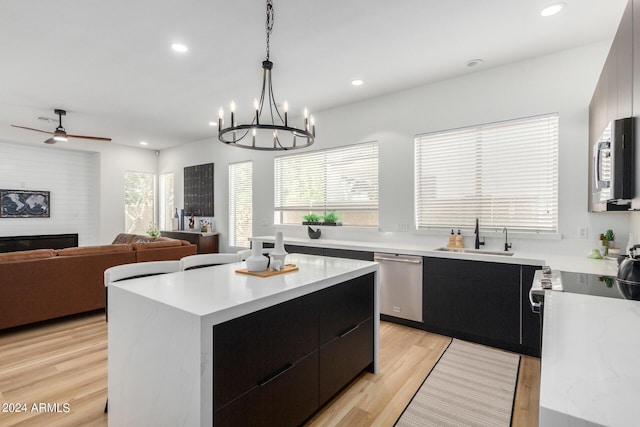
(344, 178)
(505, 174)
(240, 204)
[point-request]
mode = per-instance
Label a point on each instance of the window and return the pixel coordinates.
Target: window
(344, 180)
(139, 201)
(240, 204)
(504, 173)
(167, 204)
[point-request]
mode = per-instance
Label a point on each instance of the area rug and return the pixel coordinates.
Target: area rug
(471, 385)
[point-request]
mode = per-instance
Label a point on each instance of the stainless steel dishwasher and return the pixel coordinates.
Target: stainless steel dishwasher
(400, 285)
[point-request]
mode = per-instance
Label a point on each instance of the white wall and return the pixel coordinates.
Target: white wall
(562, 82)
(87, 195)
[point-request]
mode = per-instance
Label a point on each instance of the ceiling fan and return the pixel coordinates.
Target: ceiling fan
(60, 134)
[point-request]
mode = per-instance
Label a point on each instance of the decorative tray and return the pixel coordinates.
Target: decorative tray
(268, 272)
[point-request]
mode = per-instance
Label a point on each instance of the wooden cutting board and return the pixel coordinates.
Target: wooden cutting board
(268, 272)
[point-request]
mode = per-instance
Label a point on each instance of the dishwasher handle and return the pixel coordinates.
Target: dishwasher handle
(405, 260)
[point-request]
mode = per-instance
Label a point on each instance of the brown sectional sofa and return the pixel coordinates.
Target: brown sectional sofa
(44, 284)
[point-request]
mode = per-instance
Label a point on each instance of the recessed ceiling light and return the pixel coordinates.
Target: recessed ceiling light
(552, 9)
(212, 123)
(357, 82)
(474, 62)
(178, 47)
(144, 143)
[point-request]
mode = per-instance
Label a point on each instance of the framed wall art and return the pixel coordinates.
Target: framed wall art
(24, 204)
(198, 190)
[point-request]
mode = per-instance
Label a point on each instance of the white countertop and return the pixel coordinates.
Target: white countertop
(575, 264)
(590, 371)
(221, 294)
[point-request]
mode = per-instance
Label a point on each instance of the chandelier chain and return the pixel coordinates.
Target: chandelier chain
(269, 23)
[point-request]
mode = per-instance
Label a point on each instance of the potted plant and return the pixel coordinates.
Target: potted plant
(607, 239)
(153, 230)
(331, 218)
(311, 219)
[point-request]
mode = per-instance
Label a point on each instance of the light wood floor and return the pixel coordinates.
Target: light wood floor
(65, 362)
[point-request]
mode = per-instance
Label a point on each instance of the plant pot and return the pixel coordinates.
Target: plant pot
(311, 223)
(313, 234)
(332, 223)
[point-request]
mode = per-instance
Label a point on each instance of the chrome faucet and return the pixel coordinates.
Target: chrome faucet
(478, 242)
(507, 245)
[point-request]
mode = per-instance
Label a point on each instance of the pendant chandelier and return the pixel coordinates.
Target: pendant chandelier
(270, 131)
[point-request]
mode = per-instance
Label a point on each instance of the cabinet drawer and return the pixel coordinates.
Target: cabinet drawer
(252, 347)
(309, 250)
(286, 400)
(344, 306)
(344, 358)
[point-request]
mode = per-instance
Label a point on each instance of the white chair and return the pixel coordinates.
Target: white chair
(207, 260)
(244, 254)
(132, 271)
(135, 270)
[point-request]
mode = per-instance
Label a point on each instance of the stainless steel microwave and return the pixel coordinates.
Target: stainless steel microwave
(613, 164)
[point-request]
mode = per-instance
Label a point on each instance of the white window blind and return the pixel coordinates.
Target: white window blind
(337, 179)
(240, 204)
(505, 174)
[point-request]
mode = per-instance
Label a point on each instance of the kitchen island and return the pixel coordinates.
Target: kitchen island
(172, 340)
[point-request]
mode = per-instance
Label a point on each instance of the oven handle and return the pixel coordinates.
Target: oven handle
(535, 306)
(405, 260)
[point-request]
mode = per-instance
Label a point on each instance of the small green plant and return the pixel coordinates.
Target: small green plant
(330, 217)
(153, 230)
(608, 236)
(311, 217)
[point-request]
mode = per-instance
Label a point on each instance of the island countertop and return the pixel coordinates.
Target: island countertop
(590, 373)
(220, 294)
(160, 346)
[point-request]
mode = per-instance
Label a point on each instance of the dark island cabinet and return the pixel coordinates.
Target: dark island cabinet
(479, 301)
(346, 334)
(277, 366)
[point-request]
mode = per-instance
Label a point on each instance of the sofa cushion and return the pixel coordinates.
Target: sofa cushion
(92, 250)
(157, 244)
(27, 255)
(124, 238)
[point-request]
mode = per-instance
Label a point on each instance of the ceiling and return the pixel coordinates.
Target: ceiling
(109, 63)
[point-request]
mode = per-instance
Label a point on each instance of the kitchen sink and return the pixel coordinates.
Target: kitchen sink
(474, 251)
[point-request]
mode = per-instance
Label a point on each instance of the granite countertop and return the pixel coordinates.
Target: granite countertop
(590, 374)
(570, 263)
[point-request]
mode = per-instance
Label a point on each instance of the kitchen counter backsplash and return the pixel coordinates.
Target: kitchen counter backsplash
(560, 254)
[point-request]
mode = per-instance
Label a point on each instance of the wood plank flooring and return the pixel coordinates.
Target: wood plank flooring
(65, 362)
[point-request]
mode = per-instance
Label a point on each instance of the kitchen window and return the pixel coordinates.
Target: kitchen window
(343, 180)
(505, 174)
(240, 204)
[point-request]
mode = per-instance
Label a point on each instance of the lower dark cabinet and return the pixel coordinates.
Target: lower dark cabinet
(344, 358)
(286, 400)
(473, 300)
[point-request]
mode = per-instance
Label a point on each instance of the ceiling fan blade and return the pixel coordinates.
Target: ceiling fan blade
(37, 130)
(96, 138)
